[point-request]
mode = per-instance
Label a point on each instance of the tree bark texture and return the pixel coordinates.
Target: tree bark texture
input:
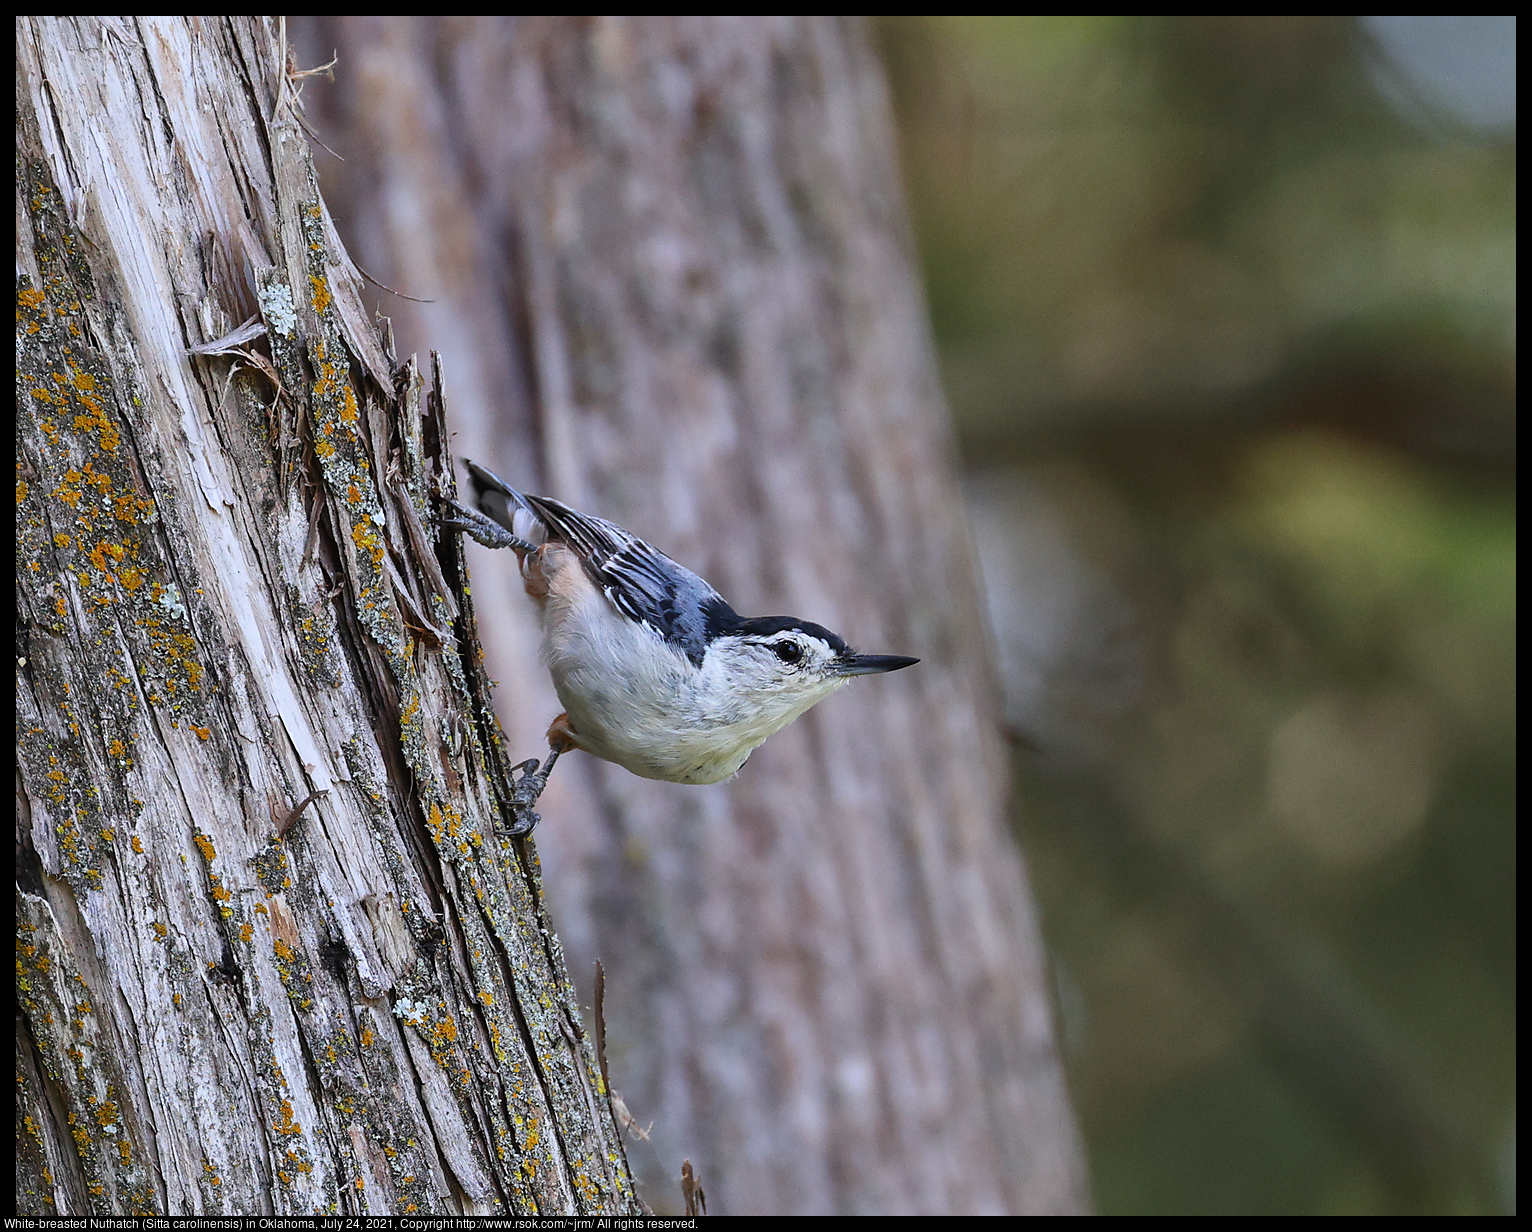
(273, 956)
(672, 275)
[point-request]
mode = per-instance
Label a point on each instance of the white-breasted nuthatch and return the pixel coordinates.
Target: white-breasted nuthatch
(655, 670)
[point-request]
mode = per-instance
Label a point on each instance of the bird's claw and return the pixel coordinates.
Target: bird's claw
(480, 527)
(526, 821)
(526, 790)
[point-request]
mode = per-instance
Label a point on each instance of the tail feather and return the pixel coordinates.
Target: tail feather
(496, 499)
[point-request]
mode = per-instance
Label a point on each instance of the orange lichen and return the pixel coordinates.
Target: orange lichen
(367, 540)
(101, 551)
(287, 1125)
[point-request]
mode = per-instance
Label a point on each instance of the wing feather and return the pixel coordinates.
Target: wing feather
(640, 581)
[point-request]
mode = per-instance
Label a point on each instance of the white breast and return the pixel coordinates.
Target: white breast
(634, 700)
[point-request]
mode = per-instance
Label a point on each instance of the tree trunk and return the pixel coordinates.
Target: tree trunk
(273, 954)
(670, 267)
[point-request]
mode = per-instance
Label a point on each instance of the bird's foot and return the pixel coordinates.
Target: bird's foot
(482, 528)
(526, 790)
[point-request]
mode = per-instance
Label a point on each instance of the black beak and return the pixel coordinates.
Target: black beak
(870, 665)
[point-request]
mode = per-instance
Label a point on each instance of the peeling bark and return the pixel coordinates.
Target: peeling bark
(273, 954)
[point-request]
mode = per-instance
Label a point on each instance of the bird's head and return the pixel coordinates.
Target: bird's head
(778, 666)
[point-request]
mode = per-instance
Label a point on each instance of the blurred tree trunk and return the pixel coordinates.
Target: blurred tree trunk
(272, 956)
(669, 265)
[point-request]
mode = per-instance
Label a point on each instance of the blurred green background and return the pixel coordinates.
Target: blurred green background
(1225, 309)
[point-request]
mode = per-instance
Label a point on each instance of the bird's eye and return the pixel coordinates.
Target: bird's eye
(788, 652)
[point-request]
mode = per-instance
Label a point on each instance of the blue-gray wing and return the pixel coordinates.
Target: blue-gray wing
(642, 582)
